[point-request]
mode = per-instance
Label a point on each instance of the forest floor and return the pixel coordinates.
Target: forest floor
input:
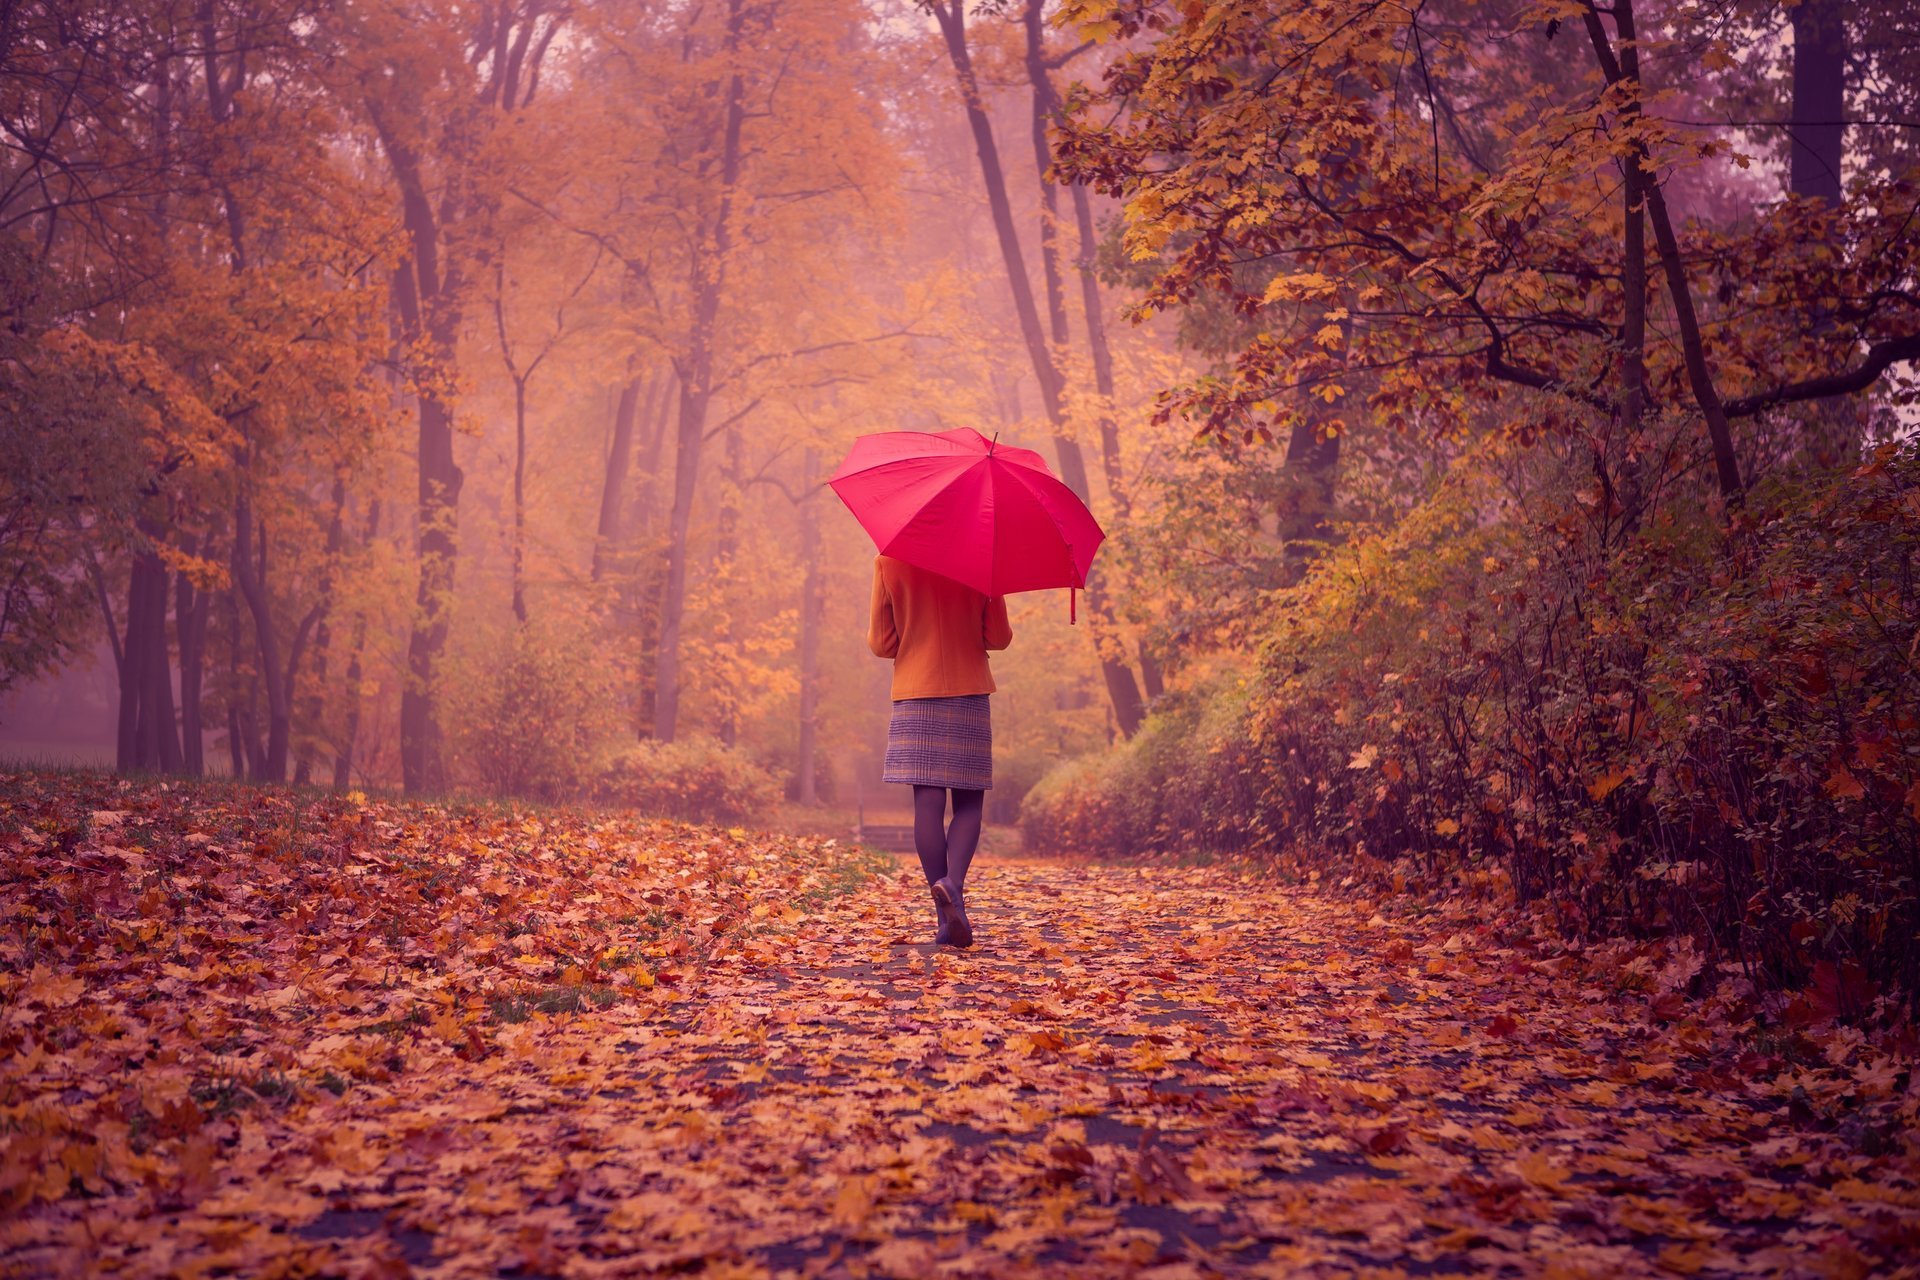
(259, 1033)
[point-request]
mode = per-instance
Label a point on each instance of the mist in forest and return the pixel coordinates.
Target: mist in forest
(501, 354)
(439, 397)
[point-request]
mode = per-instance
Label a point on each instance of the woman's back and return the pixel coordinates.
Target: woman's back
(936, 630)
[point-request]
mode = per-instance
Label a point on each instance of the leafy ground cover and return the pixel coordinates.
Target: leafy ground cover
(252, 1032)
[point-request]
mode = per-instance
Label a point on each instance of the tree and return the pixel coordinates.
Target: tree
(1122, 689)
(1478, 262)
(733, 148)
(438, 94)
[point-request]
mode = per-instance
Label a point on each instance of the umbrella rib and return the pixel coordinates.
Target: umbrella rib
(993, 530)
(1027, 483)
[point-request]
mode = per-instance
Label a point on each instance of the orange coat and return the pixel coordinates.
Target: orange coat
(936, 630)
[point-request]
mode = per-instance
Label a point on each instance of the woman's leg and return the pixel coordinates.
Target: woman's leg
(929, 835)
(963, 837)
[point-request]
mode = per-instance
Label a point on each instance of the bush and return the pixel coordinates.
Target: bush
(528, 716)
(1688, 730)
(1185, 783)
(696, 779)
(1014, 775)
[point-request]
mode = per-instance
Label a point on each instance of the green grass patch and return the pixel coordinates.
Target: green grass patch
(576, 997)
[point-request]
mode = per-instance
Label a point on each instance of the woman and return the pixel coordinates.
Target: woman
(938, 631)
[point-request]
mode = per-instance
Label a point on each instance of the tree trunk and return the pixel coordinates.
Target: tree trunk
(613, 491)
(1692, 345)
(1122, 690)
(236, 740)
(350, 729)
(1046, 106)
(1102, 353)
(145, 732)
(520, 500)
(726, 550)
(422, 764)
(1633, 279)
(315, 702)
(190, 610)
(132, 656)
(428, 294)
(161, 728)
(1151, 677)
(645, 583)
(1819, 99)
(659, 413)
(806, 763)
(250, 574)
(696, 393)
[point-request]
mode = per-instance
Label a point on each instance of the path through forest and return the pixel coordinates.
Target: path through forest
(260, 1032)
(1139, 1072)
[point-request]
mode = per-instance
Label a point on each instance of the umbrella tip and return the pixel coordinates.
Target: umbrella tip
(993, 442)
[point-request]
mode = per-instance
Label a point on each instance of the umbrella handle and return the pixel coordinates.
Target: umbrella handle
(1073, 589)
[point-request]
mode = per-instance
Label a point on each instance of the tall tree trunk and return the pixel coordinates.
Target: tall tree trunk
(146, 734)
(1633, 325)
(660, 414)
(1819, 99)
(696, 393)
(127, 714)
(726, 552)
(190, 610)
(237, 754)
(422, 762)
(1122, 689)
(520, 500)
(162, 742)
(315, 703)
(250, 574)
(613, 490)
(645, 582)
(811, 602)
(1693, 349)
(1046, 106)
(350, 729)
(133, 662)
(1152, 679)
(1099, 348)
(428, 294)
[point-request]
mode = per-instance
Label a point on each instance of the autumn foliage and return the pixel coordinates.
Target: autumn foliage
(1586, 573)
(177, 957)
(1472, 825)
(251, 1032)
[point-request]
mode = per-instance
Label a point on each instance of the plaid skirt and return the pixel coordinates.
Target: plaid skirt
(941, 742)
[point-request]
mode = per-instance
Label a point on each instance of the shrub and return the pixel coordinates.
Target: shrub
(1688, 730)
(527, 716)
(1015, 773)
(696, 779)
(1185, 782)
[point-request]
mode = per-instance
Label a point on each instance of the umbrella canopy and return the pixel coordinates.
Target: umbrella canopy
(956, 503)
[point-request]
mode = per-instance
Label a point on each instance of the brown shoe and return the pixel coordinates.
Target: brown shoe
(944, 935)
(948, 893)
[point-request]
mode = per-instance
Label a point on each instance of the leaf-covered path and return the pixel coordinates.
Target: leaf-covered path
(1139, 1071)
(1154, 1072)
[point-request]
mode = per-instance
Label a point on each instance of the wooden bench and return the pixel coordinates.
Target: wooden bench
(887, 837)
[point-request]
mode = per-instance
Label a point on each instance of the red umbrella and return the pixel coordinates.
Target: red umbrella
(960, 505)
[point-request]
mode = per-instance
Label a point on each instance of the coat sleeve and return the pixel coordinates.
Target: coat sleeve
(883, 637)
(998, 631)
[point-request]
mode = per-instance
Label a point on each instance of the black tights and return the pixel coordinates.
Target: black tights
(946, 850)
